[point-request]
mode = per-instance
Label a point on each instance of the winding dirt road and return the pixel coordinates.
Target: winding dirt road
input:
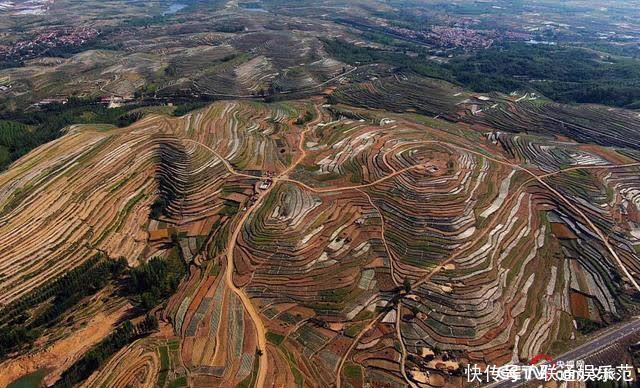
(261, 332)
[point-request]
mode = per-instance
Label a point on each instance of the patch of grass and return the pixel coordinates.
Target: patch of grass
(586, 326)
(162, 378)
(229, 209)
(352, 371)
(274, 338)
(354, 330)
(363, 315)
(183, 109)
(179, 382)
(164, 358)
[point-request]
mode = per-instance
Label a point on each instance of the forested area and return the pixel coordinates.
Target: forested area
(20, 132)
(21, 322)
(146, 286)
(15, 139)
(352, 54)
(156, 280)
(563, 74)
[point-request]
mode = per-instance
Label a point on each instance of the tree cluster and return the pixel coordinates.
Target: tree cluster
(563, 74)
(156, 280)
(20, 132)
(21, 322)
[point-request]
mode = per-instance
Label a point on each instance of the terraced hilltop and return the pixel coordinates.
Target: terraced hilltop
(331, 244)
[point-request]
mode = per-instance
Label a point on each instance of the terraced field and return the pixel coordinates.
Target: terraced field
(312, 194)
(400, 93)
(219, 54)
(329, 250)
(584, 123)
